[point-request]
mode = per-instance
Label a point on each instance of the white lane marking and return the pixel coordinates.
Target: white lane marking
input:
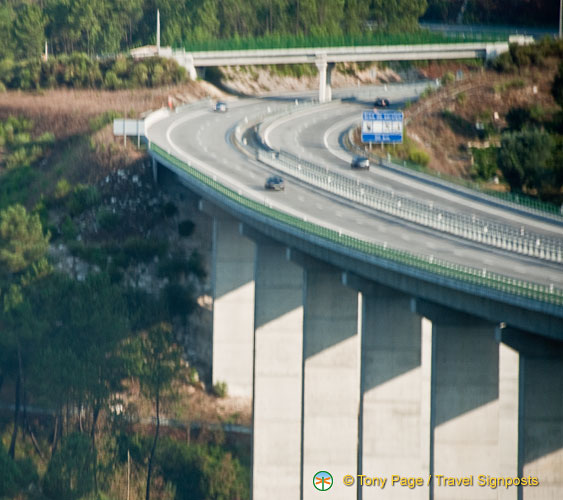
(335, 152)
(319, 205)
(338, 213)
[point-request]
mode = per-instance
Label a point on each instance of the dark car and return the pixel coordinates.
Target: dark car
(360, 162)
(221, 107)
(381, 102)
(275, 183)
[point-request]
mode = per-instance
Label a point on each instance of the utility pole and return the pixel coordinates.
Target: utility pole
(158, 31)
(560, 19)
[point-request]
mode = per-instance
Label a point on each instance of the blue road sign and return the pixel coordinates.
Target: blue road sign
(382, 127)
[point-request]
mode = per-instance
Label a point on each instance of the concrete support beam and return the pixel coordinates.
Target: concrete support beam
(395, 386)
(331, 382)
(465, 401)
(233, 306)
(278, 359)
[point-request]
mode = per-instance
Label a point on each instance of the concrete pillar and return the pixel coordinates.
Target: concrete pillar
(539, 432)
(331, 384)
(542, 426)
(278, 358)
(233, 306)
(464, 407)
(509, 418)
(395, 391)
(322, 67)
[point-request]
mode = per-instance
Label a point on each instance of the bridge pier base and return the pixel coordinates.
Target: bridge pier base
(233, 306)
(278, 357)
(331, 384)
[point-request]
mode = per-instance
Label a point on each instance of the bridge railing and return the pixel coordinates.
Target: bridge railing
(412, 169)
(514, 239)
(517, 240)
(470, 277)
(365, 39)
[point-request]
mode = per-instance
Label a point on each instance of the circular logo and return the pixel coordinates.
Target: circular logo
(322, 480)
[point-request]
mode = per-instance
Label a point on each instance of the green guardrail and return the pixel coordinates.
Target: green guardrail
(438, 267)
(366, 39)
(517, 198)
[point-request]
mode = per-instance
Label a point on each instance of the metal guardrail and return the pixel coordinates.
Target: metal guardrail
(365, 39)
(470, 227)
(471, 277)
(508, 199)
(465, 226)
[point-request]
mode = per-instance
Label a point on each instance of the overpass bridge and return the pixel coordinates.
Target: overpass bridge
(363, 359)
(326, 57)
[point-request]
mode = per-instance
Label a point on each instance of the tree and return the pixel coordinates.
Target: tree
(524, 158)
(557, 86)
(356, 14)
(29, 31)
(7, 46)
(22, 248)
(22, 241)
(398, 15)
(156, 361)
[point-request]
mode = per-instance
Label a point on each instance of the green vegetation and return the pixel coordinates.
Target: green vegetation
(80, 71)
(521, 57)
(94, 27)
(495, 12)
(78, 343)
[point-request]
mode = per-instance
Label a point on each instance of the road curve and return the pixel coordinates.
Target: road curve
(202, 138)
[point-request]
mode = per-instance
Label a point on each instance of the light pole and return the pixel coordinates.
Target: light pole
(560, 18)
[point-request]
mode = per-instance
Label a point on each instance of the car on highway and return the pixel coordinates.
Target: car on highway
(221, 107)
(360, 162)
(275, 183)
(381, 102)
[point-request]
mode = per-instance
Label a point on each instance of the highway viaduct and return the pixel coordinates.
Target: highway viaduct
(361, 364)
(326, 57)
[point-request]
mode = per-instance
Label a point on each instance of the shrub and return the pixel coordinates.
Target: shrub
(186, 228)
(523, 157)
(107, 220)
(448, 78)
(69, 231)
(195, 265)
(82, 198)
(484, 163)
(62, 189)
(179, 300)
(174, 268)
(220, 389)
(9, 474)
(142, 250)
(70, 474)
(170, 209)
(418, 156)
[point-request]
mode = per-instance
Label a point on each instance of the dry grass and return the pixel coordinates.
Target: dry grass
(67, 112)
(485, 92)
